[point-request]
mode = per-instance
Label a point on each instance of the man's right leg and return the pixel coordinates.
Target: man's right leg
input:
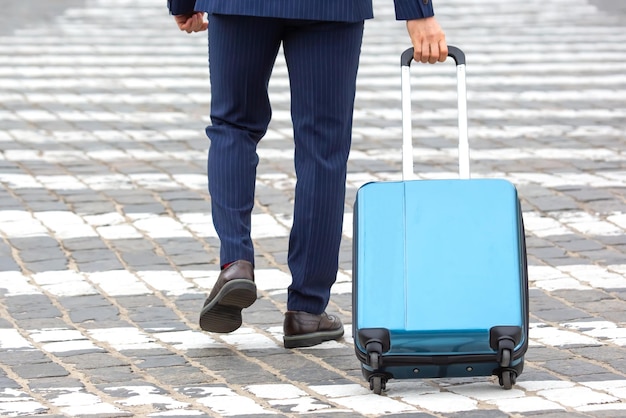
(242, 52)
(323, 59)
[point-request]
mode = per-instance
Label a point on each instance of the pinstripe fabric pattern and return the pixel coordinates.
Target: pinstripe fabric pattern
(179, 7)
(332, 10)
(322, 59)
(241, 63)
(413, 9)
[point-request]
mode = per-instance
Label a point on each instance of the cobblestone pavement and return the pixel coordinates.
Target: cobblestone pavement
(107, 249)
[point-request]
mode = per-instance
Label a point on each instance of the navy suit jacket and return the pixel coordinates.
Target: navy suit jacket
(333, 10)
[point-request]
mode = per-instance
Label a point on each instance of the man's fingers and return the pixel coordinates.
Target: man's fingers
(443, 51)
(426, 53)
(183, 22)
(199, 24)
(196, 22)
(191, 23)
(417, 54)
(438, 52)
(431, 53)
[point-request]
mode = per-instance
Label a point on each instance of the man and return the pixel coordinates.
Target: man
(321, 41)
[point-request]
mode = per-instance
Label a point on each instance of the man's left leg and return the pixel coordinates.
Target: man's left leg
(240, 114)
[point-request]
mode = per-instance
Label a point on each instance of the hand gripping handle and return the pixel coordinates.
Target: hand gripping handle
(407, 138)
(453, 52)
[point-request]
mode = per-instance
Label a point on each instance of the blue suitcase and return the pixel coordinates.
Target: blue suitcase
(440, 282)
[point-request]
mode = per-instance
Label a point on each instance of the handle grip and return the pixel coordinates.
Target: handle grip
(453, 52)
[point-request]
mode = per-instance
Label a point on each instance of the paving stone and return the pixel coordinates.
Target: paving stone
(40, 243)
(53, 382)
(106, 264)
(577, 297)
(7, 263)
(555, 414)
(87, 361)
(602, 354)
(237, 372)
(48, 265)
(609, 377)
(31, 307)
(45, 205)
(84, 302)
(132, 245)
(581, 245)
(38, 255)
(312, 374)
(183, 375)
(563, 315)
(144, 353)
(608, 309)
(553, 255)
(112, 375)
(531, 374)
(95, 314)
(150, 314)
(574, 367)
(39, 370)
(94, 256)
(144, 260)
(486, 413)
(161, 361)
(198, 260)
(7, 383)
(206, 355)
(542, 354)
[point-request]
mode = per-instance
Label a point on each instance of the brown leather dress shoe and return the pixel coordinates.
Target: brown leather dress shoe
(303, 329)
(233, 291)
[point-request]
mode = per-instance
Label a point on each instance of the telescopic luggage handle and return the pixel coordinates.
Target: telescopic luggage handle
(407, 137)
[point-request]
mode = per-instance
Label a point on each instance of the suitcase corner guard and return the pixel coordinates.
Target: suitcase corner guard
(375, 342)
(504, 340)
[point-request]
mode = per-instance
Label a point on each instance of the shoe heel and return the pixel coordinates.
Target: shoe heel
(240, 294)
(223, 314)
(222, 319)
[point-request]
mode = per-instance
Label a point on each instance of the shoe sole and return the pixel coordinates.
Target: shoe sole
(311, 339)
(223, 313)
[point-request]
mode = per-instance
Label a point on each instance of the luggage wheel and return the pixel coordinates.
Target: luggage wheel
(378, 383)
(506, 358)
(507, 379)
(507, 376)
(374, 360)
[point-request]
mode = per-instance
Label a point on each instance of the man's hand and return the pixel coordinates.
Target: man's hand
(193, 22)
(428, 39)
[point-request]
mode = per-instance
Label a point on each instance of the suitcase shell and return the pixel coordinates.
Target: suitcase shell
(440, 284)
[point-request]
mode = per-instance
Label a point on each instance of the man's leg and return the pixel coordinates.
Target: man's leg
(242, 52)
(322, 60)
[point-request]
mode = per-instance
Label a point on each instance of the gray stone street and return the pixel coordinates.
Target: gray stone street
(107, 248)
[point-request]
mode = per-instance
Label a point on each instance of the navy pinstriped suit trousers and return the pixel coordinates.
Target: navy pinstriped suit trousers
(322, 60)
